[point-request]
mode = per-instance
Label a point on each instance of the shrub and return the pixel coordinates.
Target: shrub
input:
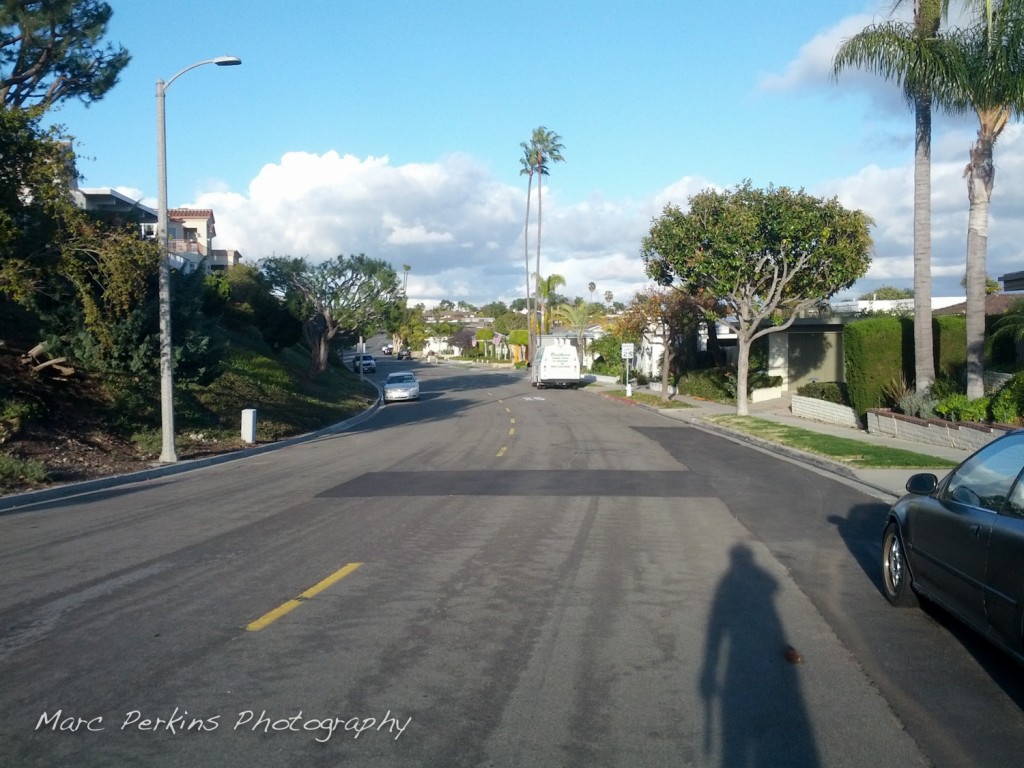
(14, 470)
(949, 334)
(919, 404)
(895, 390)
(873, 350)
(706, 383)
(944, 386)
(1004, 407)
(1008, 403)
(958, 408)
(830, 391)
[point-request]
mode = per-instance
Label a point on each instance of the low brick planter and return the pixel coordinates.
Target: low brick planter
(968, 436)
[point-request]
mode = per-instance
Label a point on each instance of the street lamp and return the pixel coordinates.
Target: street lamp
(167, 453)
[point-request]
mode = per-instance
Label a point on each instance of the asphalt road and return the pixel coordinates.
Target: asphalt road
(491, 576)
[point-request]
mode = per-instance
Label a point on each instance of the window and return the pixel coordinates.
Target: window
(985, 479)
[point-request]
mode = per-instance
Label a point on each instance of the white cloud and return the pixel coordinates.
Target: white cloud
(459, 228)
(813, 63)
(886, 194)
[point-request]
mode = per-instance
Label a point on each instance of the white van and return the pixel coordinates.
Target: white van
(556, 364)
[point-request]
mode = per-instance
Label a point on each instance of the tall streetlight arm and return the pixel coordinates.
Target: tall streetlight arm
(168, 454)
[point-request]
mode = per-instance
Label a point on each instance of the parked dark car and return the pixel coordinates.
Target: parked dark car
(366, 362)
(960, 543)
(404, 354)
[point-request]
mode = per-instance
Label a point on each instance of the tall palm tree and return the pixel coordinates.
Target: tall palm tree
(591, 286)
(546, 147)
(990, 59)
(912, 55)
(528, 168)
(546, 287)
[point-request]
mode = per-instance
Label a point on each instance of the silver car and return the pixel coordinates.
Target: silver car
(401, 385)
(960, 543)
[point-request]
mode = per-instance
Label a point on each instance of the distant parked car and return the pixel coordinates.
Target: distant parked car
(387, 349)
(959, 542)
(364, 362)
(401, 385)
(404, 354)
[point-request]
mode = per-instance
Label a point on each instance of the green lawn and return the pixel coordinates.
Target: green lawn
(852, 452)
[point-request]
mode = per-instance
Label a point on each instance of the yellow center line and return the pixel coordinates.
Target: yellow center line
(287, 607)
(502, 451)
(512, 431)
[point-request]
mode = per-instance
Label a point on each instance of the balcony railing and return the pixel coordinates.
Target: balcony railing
(185, 246)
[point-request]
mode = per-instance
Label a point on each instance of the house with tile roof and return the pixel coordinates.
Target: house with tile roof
(190, 231)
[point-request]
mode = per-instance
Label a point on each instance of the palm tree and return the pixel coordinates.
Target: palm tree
(608, 296)
(577, 317)
(913, 56)
(591, 286)
(545, 147)
(990, 62)
(528, 167)
(546, 287)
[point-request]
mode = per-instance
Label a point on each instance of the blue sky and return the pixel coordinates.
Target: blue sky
(393, 129)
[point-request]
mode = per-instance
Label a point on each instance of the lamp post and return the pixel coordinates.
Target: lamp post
(167, 452)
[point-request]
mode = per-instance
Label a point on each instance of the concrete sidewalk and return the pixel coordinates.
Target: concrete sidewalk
(885, 483)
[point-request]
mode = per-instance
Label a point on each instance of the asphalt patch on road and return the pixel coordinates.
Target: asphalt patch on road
(544, 482)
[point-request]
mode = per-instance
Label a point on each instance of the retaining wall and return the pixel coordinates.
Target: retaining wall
(822, 410)
(965, 435)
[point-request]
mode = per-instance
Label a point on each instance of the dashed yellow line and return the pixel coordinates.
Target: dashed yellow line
(501, 451)
(271, 616)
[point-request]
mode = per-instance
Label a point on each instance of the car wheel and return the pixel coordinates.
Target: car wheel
(895, 571)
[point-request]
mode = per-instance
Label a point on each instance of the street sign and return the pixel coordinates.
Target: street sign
(627, 350)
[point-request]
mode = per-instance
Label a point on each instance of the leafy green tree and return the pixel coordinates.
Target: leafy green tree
(673, 316)
(518, 340)
(343, 298)
(50, 51)
(991, 285)
(414, 331)
(252, 301)
(494, 309)
(510, 321)
(34, 204)
(766, 255)
(111, 273)
(887, 293)
(915, 57)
